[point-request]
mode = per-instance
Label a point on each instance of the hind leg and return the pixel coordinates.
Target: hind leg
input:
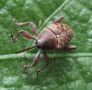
(69, 47)
(58, 19)
(30, 24)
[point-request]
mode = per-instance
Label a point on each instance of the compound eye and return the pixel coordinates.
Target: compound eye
(39, 43)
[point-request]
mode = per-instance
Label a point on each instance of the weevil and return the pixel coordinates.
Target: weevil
(54, 36)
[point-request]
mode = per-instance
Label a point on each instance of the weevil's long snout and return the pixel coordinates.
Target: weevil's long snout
(27, 49)
(39, 43)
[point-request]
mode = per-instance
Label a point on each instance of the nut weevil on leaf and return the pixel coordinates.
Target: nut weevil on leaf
(54, 36)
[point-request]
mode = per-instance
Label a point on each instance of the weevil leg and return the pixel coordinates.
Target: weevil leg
(35, 61)
(69, 47)
(46, 63)
(32, 25)
(24, 33)
(58, 19)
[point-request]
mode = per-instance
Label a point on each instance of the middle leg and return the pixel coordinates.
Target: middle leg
(46, 63)
(32, 25)
(35, 61)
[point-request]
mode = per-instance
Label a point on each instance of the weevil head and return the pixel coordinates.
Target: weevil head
(45, 44)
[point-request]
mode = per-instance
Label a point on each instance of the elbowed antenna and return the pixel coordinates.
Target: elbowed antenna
(27, 49)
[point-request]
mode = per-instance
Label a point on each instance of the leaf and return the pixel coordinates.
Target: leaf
(70, 70)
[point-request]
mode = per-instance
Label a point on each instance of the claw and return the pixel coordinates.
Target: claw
(37, 73)
(11, 36)
(26, 68)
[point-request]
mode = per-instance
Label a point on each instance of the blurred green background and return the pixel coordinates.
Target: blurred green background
(70, 70)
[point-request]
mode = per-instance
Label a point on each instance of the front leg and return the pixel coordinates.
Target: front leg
(35, 61)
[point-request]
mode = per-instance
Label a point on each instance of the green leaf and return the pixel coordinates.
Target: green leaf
(70, 70)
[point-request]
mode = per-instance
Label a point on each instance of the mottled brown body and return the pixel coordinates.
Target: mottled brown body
(56, 36)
